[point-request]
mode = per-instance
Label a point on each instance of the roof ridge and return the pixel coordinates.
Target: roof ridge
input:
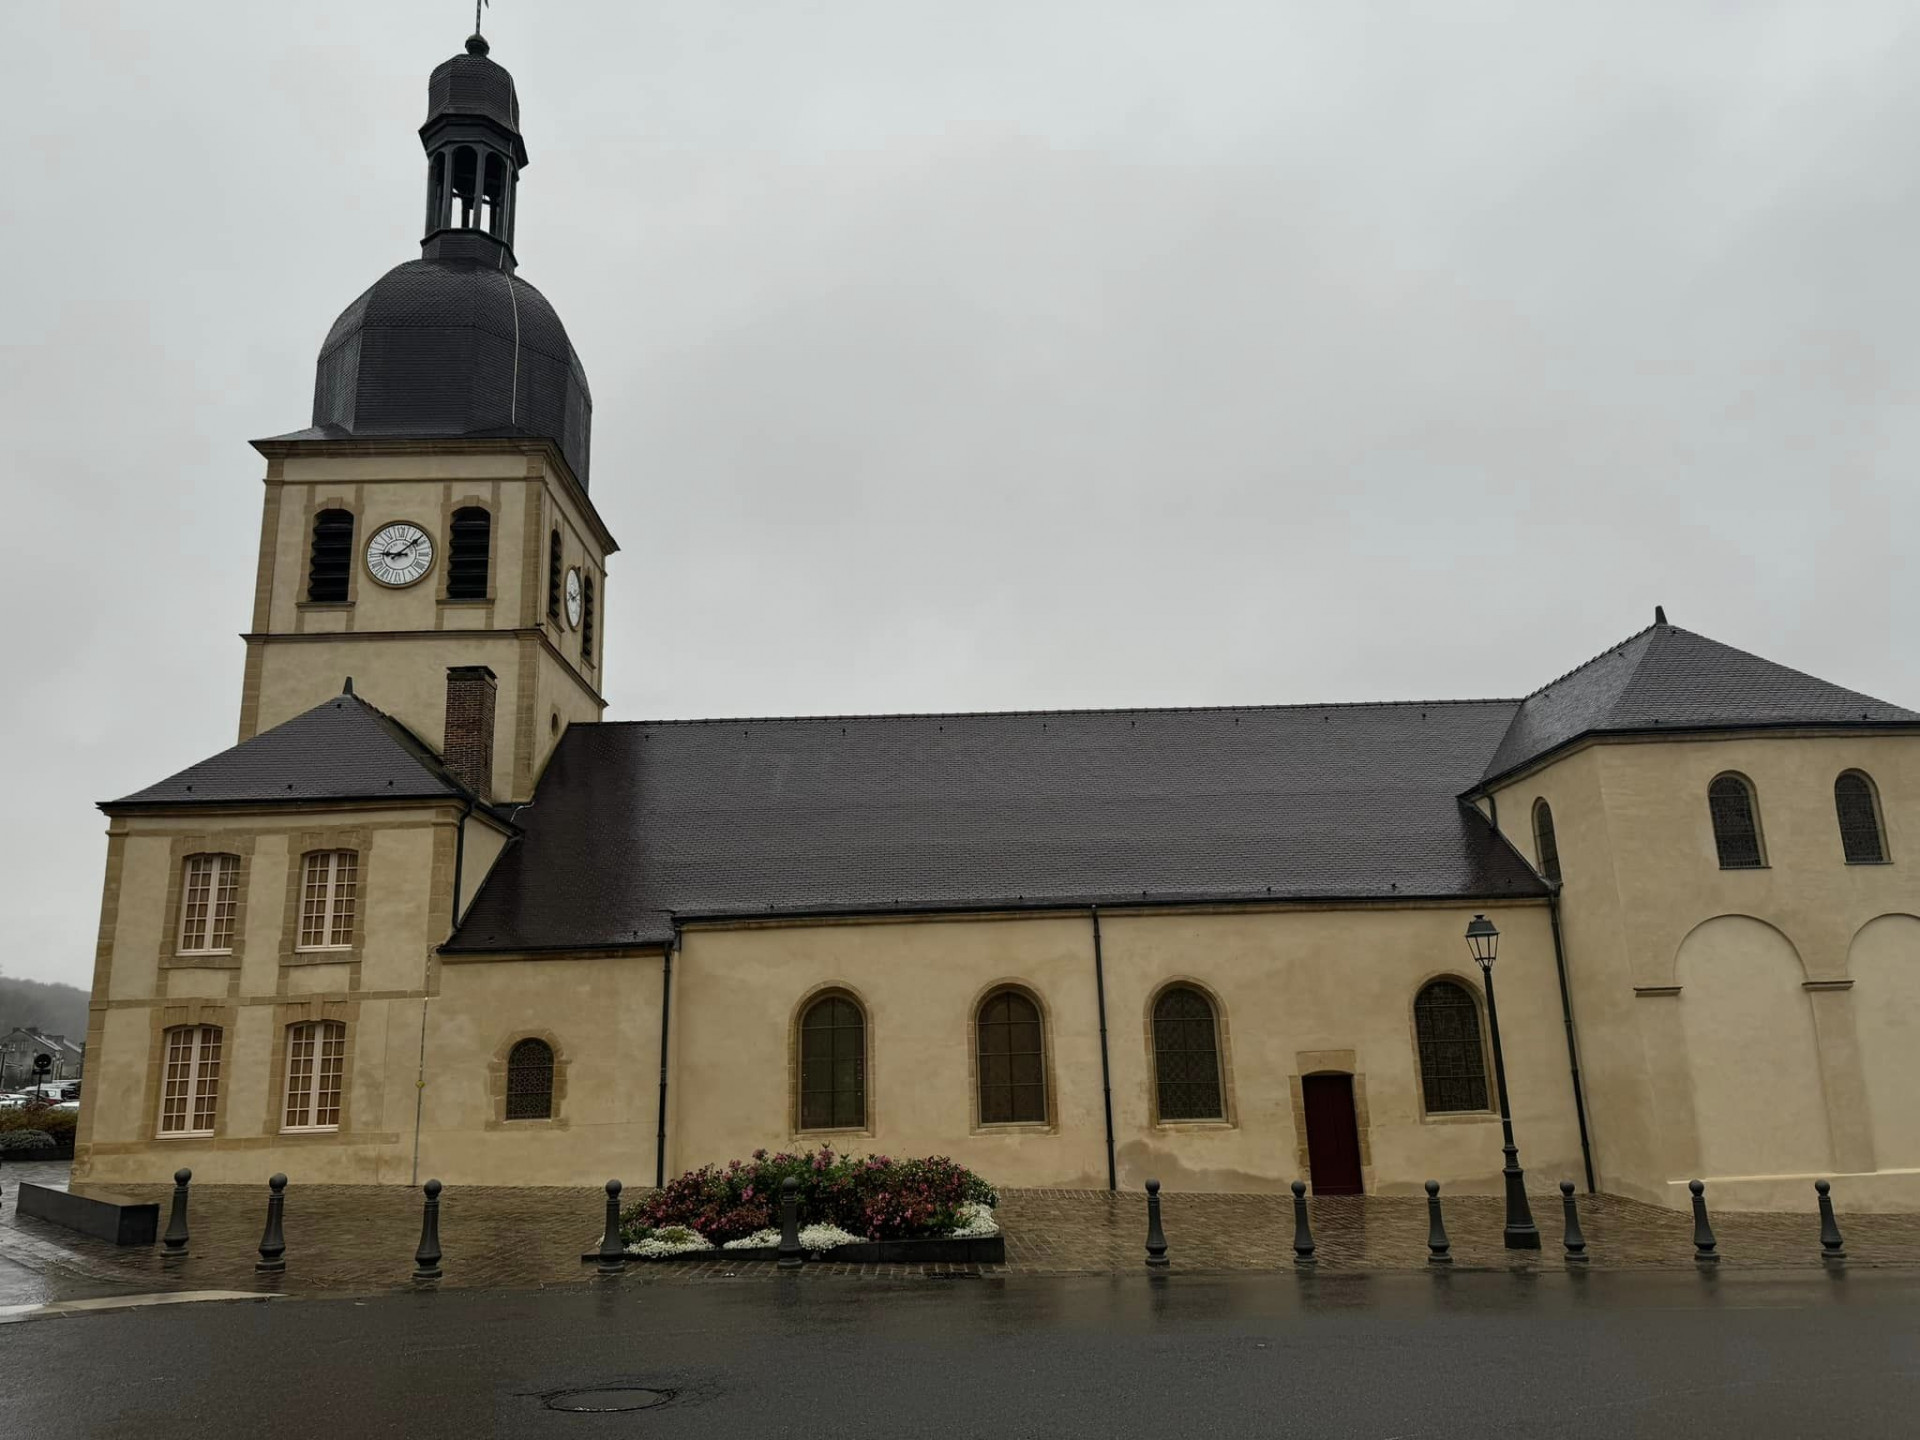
(1595, 659)
(1087, 710)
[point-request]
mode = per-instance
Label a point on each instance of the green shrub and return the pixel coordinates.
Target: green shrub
(881, 1198)
(57, 1123)
(25, 1142)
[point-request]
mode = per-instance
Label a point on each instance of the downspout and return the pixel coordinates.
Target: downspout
(453, 924)
(666, 1019)
(1566, 1015)
(1106, 1072)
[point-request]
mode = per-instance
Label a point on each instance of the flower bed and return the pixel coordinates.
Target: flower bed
(849, 1205)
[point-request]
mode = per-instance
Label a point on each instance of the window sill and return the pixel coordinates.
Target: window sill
(459, 601)
(1460, 1117)
(1869, 862)
(323, 604)
(1016, 1127)
(184, 1135)
(1177, 1126)
(309, 1129)
(1734, 869)
(851, 1132)
(323, 949)
(203, 954)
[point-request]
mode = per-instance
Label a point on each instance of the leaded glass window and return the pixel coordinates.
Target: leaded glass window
(530, 1081)
(1013, 1087)
(190, 1081)
(1860, 835)
(833, 1065)
(316, 1057)
(1545, 845)
(1453, 1069)
(1186, 1056)
(1736, 828)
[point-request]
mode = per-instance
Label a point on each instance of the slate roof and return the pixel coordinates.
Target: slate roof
(1666, 679)
(635, 822)
(342, 749)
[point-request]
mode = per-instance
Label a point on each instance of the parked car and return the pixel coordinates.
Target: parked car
(11, 1102)
(70, 1090)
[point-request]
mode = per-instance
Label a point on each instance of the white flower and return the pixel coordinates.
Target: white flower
(825, 1237)
(673, 1241)
(759, 1240)
(976, 1223)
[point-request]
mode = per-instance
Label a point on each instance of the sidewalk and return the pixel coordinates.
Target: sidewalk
(363, 1237)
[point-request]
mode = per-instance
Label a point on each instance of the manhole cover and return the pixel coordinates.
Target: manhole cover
(606, 1399)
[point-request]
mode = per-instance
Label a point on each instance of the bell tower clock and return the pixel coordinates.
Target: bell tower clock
(435, 514)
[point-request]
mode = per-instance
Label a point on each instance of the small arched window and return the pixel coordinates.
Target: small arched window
(467, 545)
(332, 561)
(190, 1083)
(1736, 823)
(1544, 843)
(1453, 1068)
(209, 897)
(833, 1065)
(1013, 1067)
(1186, 1056)
(553, 577)
(1859, 811)
(530, 1081)
(586, 619)
(316, 1058)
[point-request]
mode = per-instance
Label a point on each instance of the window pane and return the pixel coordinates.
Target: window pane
(1860, 836)
(530, 1081)
(226, 876)
(346, 888)
(1453, 1071)
(207, 1077)
(1736, 834)
(832, 1066)
(1186, 1057)
(299, 1076)
(1010, 1064)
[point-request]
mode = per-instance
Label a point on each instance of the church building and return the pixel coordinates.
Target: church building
(433, 915)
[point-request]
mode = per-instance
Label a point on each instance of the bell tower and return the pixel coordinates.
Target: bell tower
(432, 529)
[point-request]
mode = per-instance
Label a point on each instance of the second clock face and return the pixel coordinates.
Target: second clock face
(399, 554)
(574, 598)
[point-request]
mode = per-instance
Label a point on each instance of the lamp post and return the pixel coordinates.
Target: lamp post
(1484, 940)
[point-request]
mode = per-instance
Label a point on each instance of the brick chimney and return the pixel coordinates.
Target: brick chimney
(468, 751)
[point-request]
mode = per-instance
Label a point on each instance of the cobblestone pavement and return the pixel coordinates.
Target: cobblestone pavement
(361, 1238)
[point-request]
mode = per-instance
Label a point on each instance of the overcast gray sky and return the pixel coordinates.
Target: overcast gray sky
(1006, 354)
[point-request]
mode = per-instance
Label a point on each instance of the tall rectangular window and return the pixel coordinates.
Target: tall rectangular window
(328, 900)
(209, 890)
(316, 1053)
(190, 1086)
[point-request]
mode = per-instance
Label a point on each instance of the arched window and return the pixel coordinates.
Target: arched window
(467, 540)
(1186, 1056)
(316, 1057)
(833, 1065)
(1859, 811)
(1544, 843)
(1736, 823)
(190, 1083)
(332, 561)
(553, 578)
(530, 1081)
(586, 619)
(209, 891)
(1453, 1069)
(329, 898)
(1013, 1069)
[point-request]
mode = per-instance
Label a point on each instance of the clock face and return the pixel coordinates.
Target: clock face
(399, 554)
(573, 598)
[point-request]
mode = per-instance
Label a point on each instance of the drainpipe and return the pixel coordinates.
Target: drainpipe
(666, 1013)
(1566, 1016)
(1106, 1073)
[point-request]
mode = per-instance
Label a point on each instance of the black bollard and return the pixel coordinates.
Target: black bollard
(1302, 1231)
(176, 1237)
(1575, 1242)
(791, 1255)
(1437, 1243)
(1705, 1248)
(613, 1250)
(1831, 1245)
(426, 1260)
(1156, 1237)
(273, 1244)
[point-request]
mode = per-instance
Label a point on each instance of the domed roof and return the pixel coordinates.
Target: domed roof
(450, 348)
(473, 85)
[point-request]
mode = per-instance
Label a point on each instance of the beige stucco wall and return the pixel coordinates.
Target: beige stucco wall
(1660, 1032)
(1299, 990)
(397, 644)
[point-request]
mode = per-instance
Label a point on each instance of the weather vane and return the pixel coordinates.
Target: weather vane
(476, 13)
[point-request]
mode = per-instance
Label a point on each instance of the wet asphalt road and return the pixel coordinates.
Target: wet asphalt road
(1370, 1356)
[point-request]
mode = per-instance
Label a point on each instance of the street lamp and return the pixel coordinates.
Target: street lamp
(1484, 941)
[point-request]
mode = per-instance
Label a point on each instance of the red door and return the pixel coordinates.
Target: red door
(1333, 1136)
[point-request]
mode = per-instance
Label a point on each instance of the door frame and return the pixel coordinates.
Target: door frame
(1338, 1062)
